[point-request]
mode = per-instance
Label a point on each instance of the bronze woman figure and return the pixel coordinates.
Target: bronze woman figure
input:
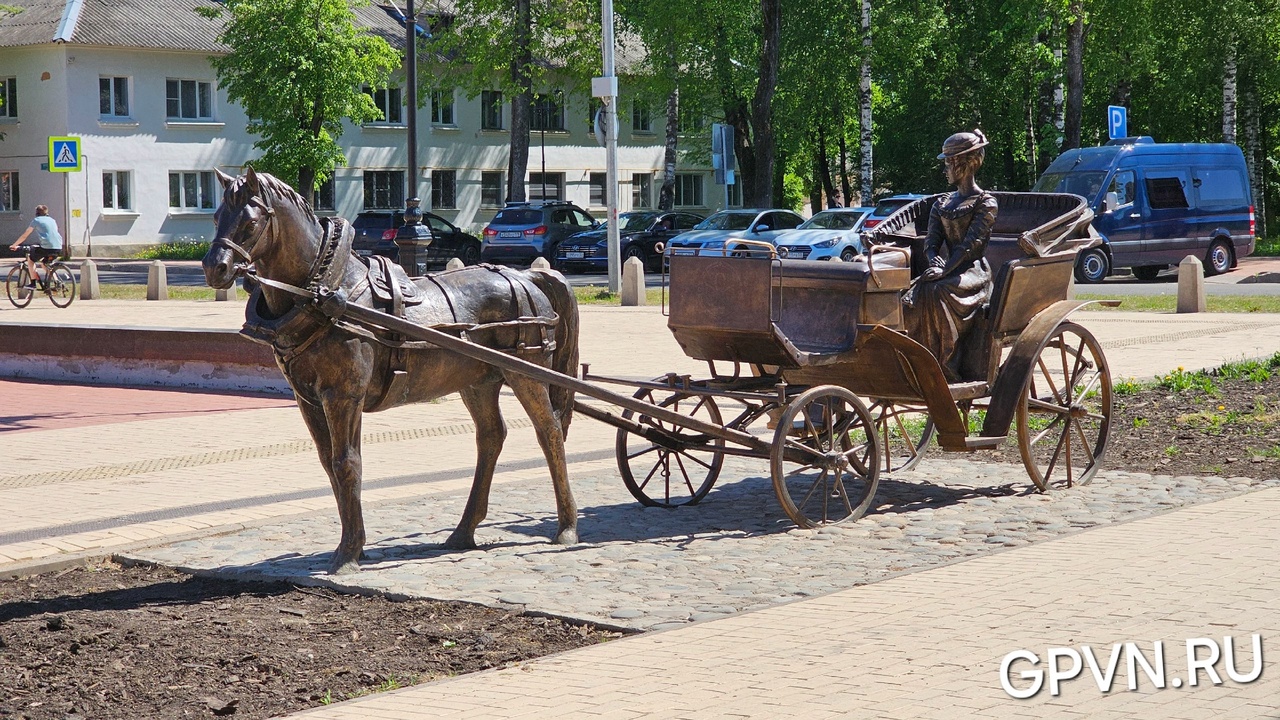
(947, 297)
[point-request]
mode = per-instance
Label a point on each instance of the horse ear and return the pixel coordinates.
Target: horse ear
(223, 178)
(251, 181)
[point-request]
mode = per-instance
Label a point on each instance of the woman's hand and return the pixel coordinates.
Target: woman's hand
(931, 274)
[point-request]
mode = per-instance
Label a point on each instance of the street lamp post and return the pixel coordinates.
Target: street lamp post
(411, 72)
(606, 88)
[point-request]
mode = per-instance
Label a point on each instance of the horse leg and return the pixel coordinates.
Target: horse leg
(335, 428)
(491, 432)
(535, 398)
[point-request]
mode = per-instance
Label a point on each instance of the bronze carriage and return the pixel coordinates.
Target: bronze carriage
(814, 352)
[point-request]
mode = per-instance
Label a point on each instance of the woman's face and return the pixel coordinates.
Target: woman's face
(956, 168)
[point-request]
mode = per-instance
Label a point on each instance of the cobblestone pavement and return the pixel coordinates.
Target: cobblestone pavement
(651, 568)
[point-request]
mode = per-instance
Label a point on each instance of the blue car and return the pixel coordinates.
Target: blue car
(727, 225)
(1157, 203)
(829, 234)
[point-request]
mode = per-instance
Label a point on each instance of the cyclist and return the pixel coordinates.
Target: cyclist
(49, 245)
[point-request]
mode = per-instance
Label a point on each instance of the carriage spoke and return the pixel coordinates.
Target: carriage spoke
(1053, 460)
(1047, 407)
(696, 459)
(1036, 440)
(688, 483)
(820, 480)
(1048, 379)
(645, 451)
(797, 445)
(1084, 441)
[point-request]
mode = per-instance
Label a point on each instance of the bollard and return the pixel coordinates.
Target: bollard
(540, 264)
(231, 294)
(633, 282)
(157, 281)
(89, 289)
(1191, 285)
(455, 264)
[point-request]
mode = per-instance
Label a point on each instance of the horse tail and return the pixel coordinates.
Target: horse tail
(565, 358)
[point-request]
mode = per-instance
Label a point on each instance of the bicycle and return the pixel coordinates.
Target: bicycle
(59, 283)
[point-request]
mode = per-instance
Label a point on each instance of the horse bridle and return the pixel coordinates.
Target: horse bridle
(245, 251)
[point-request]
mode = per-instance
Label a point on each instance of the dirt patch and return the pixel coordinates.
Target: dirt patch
(1193, 424)
(108, 643)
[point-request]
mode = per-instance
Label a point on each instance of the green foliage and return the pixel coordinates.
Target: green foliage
(1181, 380)
(1139, 422)
(793, 192)
(176, 250)
(298, 69)
(1127, 386)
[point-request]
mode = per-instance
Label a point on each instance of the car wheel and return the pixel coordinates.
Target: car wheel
(1092, 266)
(634, 251)
(849, 254)
(1219, 258)
(1147, 273)
(470, 254)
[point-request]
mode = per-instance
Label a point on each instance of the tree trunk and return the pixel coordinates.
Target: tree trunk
(667, 195)
(1229, 94)
(737, 116)
(824, 174)
(867, 189)
(762, 103)
(1075, 75)
(815, 187)
(1256, 162)
(846, 192)
(521, 103)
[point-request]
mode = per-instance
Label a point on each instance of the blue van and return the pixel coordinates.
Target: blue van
(1156, 203)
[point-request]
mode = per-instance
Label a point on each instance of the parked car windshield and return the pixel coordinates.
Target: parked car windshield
(376, 220)
(886, 207)
(727, 221)
(518, 216)
(632, 222)
(1081, 183)
(832, 221)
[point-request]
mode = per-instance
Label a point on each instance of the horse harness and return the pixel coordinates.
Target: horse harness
(320, 306)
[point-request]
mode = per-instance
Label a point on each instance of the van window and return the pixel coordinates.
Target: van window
(1166, 192)
(1122, 185)
(1081, 183)
(1216, 187)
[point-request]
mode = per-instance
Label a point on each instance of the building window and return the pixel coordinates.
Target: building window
(545, 187)
(491, 110)
(548, 112)
(593, 107)
(191, 190)
(442, 107)
(735, 194)
(116, 190)
(689, 190)
(9, 191)
(113, 96)
(641, 191)
(9, 97)
(689, 120)
(388, 103)
(324, 195)
(384, 189)
(491, 189)
(444, 189)
(599, 181)
(188, 100)
(640, 120)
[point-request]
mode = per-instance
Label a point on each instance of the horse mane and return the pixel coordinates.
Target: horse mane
(279, 190)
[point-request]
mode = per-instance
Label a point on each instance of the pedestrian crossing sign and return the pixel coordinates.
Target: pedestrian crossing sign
(64, 154)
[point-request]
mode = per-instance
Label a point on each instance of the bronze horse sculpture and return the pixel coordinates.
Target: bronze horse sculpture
(339, 369)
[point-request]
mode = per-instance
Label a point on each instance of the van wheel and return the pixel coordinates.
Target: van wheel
(1092, 266)
(1147, 273)
(1218, 260)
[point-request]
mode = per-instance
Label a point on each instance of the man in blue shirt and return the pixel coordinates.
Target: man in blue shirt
(49, 245)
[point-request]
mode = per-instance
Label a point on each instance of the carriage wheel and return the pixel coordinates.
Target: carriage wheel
(905, 433)
(680, 474)
(1064, 414)
(825, 458)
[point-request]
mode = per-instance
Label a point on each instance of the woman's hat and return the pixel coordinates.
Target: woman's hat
(961, 143)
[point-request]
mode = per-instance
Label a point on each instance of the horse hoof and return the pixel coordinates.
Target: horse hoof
(345, 564)
(566, 537)
(460, 541)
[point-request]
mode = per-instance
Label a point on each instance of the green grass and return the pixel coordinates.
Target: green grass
(176, 250)
(600, 295)
(1169, 303)
(139, 292)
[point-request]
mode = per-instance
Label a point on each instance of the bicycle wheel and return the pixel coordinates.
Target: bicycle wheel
(62, 285)
(16, 286)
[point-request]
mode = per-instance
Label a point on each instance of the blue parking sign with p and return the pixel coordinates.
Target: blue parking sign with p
(1117, 121)
(64, 154)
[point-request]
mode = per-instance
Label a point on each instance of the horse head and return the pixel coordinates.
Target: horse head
(258, 215)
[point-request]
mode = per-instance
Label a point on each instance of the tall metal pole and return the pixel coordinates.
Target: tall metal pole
(611, 149)
(411, 72)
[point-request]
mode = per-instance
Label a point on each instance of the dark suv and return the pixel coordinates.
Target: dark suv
(521, 232)
(376, 233)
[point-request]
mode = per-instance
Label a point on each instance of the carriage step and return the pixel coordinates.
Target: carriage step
(968, 390)
(983, 443)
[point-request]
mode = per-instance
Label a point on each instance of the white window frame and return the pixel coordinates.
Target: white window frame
(553, 117)
(322, 190)
(597, 183)
(501, 187)
(389, 100)
(10, 195)
(641, 118)
(9, 91)
(444, 108)
(642, 191)
(491, 105)
(444, 189)
(735, 194)
(206, 191)
(207, 101)
(690, 184)
(114, 82)
(555, 187)
(111, 196)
